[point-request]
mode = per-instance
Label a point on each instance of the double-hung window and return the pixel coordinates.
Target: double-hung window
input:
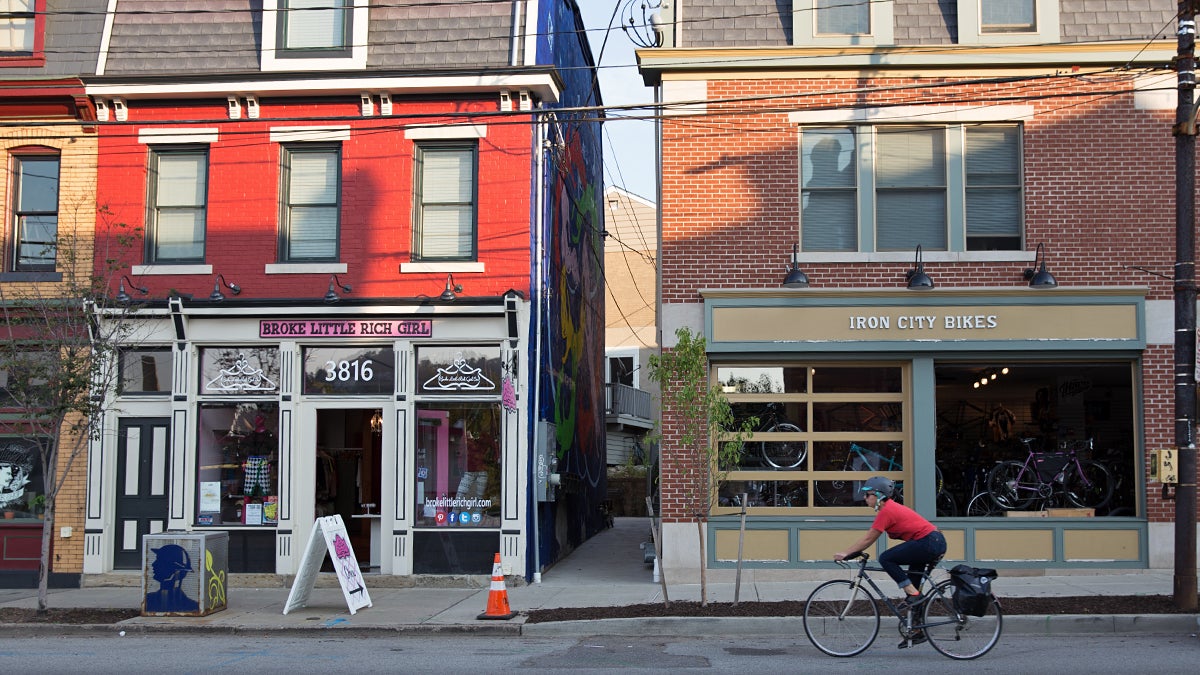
(1007, 16)
(309, 222)
(1008, 21)
(314, 26)
(444, 224)
(842, 22)
(178, 205)
(953, 187)
(35, 212)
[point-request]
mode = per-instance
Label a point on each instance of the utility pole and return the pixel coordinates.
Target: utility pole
(1185, 310)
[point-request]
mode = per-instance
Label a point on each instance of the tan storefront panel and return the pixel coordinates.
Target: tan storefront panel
(1100, 545)
(822, 544)
(993, 322)
(1014, 545)
(765, 545)
(956, 544)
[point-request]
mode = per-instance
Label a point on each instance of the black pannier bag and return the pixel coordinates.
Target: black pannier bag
(972, 589)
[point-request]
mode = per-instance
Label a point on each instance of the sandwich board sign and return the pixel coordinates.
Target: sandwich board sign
(329, 534)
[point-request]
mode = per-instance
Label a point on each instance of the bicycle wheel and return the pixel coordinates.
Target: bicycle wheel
(1008, 482)
(784, 454)
(946, 508)
(958, 635)
(1090, 485)
(982, 505)
(841, 619)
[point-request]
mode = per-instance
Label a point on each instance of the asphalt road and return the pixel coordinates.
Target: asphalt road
(325, 653)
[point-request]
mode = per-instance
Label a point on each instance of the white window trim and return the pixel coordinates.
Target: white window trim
(178, 136)
(358, 43)
(971, 33)
(804, 26)
(305, 268)
(324, 134)
(153, 270)
(956, 237)
(440, 267)
(454, 133)
(631, 353)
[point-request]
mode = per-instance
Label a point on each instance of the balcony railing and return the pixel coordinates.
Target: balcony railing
(627, 404)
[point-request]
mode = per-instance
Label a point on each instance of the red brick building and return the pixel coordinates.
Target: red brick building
(924, 160)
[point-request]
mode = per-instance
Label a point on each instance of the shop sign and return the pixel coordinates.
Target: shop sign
(352, 328)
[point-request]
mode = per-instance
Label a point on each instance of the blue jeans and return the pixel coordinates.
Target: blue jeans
(919, 555)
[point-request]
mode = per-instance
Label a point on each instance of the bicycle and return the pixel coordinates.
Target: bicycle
(859, 458)
(778, 454)
(1045, 477)
(841, 618)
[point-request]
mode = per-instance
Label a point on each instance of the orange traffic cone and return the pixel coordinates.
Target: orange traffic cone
(497, 607)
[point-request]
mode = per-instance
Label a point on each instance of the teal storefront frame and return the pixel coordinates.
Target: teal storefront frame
(770, 324)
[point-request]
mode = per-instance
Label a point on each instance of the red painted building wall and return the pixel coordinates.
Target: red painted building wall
(377, 192)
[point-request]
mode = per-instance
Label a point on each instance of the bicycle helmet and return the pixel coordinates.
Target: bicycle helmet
(882, 487)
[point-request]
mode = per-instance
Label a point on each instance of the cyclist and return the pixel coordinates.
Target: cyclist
(923, 543)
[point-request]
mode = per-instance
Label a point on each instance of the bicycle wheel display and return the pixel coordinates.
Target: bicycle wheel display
(982, 505)
(841, 619)
(1010, 485)
(784, 454)
(1088, 486)
(958, 635)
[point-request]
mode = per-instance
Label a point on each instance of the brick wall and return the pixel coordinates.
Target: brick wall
(1099, 193)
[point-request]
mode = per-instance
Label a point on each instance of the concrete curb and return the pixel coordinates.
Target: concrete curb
(1022, 625)
(1064, 624)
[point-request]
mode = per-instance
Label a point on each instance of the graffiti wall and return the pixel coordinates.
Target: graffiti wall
(572, 287)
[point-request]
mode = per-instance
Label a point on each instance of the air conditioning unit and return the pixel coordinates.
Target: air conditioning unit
(184, 573)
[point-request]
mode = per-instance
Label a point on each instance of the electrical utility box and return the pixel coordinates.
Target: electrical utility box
(184, 573)
(546, 478)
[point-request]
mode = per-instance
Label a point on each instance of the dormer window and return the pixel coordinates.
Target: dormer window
(314, 35)
(842, 23)
(22, 27)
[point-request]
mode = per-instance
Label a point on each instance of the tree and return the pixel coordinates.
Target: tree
(705, 440)
(58, 359)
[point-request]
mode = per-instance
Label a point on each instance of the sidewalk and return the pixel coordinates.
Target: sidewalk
(606, 570)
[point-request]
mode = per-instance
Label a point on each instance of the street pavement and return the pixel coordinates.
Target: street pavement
(607, 570)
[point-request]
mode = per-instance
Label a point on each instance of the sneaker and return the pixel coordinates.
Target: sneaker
(916, 639)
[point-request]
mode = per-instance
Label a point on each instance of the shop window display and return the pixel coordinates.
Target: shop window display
(820, 429)
(1058, 420)
(458, 465)
(21, 488)
(238, 475)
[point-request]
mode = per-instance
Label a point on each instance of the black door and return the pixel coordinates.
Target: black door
(143, 473)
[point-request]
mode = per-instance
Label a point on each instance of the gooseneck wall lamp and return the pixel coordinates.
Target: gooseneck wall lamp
(452, 289)
(795, 277)
(1039, 277)
(217, 295)
(123, 297)
(917, 279)
(334, 284)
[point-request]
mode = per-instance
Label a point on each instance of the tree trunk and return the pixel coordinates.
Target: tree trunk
(703, 577)
(44, 563)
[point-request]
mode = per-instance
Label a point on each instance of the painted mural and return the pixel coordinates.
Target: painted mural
(573, 289)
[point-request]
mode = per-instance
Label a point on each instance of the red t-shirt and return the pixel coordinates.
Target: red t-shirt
(901, 522)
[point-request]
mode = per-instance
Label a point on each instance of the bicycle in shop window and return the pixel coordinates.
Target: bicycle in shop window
(862, 459)
(779, 455)
(1048, 479)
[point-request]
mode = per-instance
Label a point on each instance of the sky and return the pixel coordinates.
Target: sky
(629, 161)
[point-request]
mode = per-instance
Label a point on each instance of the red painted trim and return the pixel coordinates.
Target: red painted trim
(38, 57)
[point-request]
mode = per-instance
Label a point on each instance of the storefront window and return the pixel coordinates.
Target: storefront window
(1051, 436)
(349, 370)
(821, 429)
(145, 371)
(458, 465)
(21, 486)
(238, 472)
(239, 370)
(459, 369)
